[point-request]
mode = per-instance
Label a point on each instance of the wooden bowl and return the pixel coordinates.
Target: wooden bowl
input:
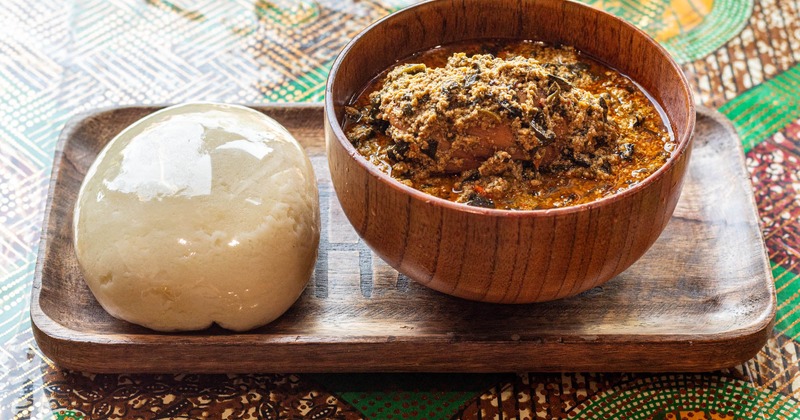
(499, 255)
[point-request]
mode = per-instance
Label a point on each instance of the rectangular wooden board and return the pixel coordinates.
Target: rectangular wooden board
(702, 297)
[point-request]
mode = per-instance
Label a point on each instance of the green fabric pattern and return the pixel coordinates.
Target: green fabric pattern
(765, 109)
(300, 12)
(787, 285)
(408, 396)
(308, 88)
(657, 397)
(726, 19)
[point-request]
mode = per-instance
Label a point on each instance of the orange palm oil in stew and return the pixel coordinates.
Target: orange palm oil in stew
(509, 125)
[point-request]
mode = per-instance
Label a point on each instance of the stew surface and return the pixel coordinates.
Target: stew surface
(509, 125)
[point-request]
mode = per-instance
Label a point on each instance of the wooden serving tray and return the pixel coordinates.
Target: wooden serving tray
(702, 298)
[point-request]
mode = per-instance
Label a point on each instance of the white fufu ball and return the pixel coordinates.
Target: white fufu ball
(196, 214)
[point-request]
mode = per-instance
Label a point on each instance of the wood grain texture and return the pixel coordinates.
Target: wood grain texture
(702, 297)
(502, 256)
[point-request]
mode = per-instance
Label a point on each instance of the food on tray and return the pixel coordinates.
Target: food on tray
(509, 125)
(198, 214)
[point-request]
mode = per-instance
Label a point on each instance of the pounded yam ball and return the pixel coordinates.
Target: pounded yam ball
(198, 214)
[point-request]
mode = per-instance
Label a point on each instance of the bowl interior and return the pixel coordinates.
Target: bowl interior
(599, 34)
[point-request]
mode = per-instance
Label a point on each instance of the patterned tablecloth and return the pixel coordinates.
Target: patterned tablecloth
(61, 57)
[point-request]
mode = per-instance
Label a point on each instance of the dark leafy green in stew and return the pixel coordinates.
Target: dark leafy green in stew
(520, 125)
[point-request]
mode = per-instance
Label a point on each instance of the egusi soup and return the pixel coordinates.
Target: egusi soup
(509, 125)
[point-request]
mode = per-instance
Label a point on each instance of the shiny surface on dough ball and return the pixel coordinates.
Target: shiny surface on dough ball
(196, 214)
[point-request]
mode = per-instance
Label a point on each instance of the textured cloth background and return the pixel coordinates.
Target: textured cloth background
(59, 58)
